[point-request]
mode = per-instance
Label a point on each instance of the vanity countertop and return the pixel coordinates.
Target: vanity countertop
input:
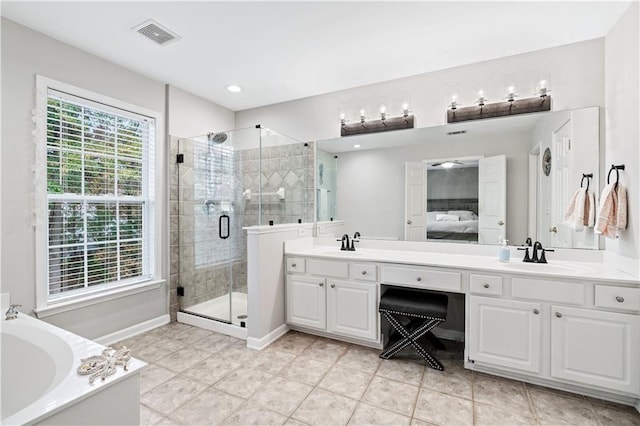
(592, 271)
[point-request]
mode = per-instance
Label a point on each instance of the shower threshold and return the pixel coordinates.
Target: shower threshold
(214, 315)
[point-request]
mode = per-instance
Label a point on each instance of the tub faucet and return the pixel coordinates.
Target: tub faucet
(12, 312)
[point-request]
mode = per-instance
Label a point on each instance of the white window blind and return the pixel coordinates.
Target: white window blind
(100, 182)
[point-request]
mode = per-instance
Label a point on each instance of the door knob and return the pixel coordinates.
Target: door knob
(554, 230)
(501, 222)
(409, 222)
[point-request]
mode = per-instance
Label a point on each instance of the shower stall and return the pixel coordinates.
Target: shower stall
(222, 183)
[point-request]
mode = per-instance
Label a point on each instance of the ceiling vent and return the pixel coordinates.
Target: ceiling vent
(156, 32)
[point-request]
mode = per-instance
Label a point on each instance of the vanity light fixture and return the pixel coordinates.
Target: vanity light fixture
(454, 102)
(511, 106)
(234, 88)
(481, 99)
(384, 123)
(543, 90)
(383, 112)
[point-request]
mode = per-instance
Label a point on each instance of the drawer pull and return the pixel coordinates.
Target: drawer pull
(419, 279)
(364, 272)
(486, 285)
(333, 286)
(619, 299)
(293, 265)
(536, 311)
(321, 284)
(558, 315)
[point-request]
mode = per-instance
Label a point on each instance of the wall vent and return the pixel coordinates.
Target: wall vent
(457, 132)
(156, 32)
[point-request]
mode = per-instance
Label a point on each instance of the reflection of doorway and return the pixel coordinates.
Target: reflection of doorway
(462, 200)
(561, 233)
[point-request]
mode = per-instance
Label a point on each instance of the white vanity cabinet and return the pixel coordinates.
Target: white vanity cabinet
(340, 298)
(596, 348)
(543, 335)
(505, 333)
(306, 301)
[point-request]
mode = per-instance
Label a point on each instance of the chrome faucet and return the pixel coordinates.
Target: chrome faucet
(345, 243)
(12, 312)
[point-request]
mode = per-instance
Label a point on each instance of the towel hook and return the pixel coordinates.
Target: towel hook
(616, 168)
(588, 176)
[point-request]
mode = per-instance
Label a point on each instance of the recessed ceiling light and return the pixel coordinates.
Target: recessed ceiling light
(233, 88)
(356, 146)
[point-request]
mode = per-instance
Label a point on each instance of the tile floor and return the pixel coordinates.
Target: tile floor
(196, 377)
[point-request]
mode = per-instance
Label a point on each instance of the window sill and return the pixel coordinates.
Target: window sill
(94, 299)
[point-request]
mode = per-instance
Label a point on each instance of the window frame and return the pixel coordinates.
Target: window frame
(152, 234)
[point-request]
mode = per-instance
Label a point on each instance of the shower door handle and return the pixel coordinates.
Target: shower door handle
(223, 219)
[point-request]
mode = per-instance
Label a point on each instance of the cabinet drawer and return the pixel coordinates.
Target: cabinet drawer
(328, 268)
(362, 271)
(552, 291)
(485, 284)
(422, 278)
(626, 298)
(296, 264)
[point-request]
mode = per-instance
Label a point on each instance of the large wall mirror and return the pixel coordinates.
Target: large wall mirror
(471, 183)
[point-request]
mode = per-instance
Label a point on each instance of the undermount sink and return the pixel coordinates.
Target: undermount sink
(337, 251)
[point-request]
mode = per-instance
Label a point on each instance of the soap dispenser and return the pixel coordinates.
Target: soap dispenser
(504, 253)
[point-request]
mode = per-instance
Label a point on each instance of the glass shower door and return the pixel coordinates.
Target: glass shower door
(212, 243)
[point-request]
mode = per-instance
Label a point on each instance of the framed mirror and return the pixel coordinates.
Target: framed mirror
(370, 191)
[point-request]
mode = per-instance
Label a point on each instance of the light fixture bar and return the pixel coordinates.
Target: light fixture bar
(499, 109)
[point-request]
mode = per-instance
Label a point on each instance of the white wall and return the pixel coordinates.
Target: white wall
(373, 201)
(575, 74)
(26, 53)
(191, 115)
(622, 114)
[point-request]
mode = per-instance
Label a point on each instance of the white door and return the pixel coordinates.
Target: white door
(561, 234)
(596, 348)
(415, 211)
(505, 333)
(352, 309)
(492, 199)
(306, 301)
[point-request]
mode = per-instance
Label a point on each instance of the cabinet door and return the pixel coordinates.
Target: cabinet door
(505, 333)
(596, 348)
(306, 301)
(352, 309)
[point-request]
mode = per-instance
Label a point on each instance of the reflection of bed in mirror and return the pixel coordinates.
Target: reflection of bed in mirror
(452, 220)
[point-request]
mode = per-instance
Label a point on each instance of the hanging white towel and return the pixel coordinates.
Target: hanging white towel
(575, 214)
(612, 212)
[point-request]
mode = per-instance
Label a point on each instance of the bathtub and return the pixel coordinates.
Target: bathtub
(40, 384)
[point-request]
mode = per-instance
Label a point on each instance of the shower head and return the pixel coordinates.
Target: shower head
(220, 137)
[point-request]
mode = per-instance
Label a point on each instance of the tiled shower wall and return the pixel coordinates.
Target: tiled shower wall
(194, 229)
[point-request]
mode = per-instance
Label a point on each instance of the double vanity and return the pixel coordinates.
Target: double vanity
(572, 325)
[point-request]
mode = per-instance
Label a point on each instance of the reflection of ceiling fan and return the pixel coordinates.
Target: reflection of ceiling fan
(448, 164)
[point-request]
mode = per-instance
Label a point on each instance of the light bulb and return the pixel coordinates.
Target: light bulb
(362, 116)
(405, 106)
(343, 118)
(481, 93)
(356, 146)
(383, 109)
(543, 84)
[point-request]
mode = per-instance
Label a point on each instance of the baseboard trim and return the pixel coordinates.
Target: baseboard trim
(213, 325)
(134, 330)
(263, 342)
